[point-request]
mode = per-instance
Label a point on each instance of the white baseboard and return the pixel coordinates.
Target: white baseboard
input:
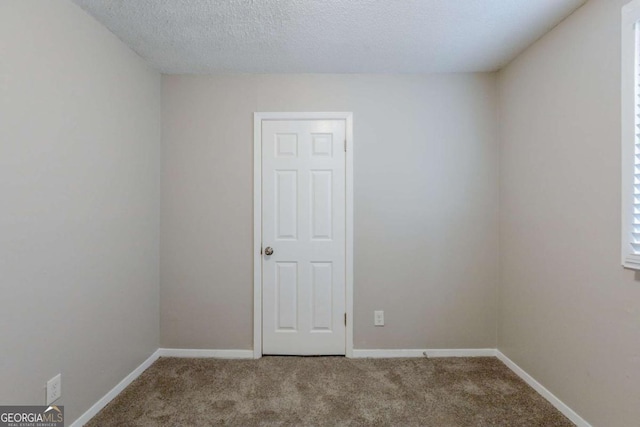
(559, 405)
(218, 354)
(391, 353)
(104, 401)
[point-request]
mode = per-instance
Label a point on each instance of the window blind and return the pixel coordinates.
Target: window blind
(635, 227)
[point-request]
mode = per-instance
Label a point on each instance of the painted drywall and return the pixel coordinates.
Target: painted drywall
(79, 190)
(425, 205)
(569, 313)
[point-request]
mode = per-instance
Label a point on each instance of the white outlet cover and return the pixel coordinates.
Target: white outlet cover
(54, 389)
(378, 318)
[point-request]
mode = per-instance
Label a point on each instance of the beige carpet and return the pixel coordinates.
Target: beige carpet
(329, 391)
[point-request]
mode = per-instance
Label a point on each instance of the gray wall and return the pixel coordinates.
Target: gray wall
(425, 205)
(570, 314)
(79, 190)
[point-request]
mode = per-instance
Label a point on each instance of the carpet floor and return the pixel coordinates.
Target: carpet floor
(329, 391)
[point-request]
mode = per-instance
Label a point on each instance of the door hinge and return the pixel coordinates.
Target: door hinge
(345, 319)
(345, 145)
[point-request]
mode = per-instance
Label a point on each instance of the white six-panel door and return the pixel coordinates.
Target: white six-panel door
(303, 222)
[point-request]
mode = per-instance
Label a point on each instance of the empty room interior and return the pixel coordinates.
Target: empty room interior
(303, 212)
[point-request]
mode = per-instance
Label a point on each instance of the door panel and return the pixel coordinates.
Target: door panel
(303, 220)
(321, 198)
(322, 303)
(287, 296)
(286, 204)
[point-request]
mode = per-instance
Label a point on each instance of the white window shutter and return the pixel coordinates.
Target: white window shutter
(631, 135)
(635, 228)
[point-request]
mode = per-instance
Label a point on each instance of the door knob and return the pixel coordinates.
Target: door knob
(268, 250)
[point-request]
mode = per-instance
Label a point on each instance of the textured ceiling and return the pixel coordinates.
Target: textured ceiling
(328, 36)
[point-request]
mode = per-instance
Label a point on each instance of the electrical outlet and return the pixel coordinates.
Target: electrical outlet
(54, 389)
(378, 318)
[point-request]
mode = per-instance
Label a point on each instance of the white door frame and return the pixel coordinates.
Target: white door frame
(257, 219)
